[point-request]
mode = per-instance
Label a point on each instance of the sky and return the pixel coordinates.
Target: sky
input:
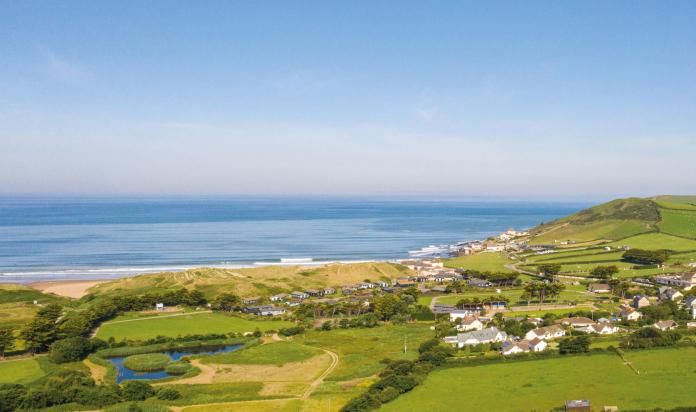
(462, 98)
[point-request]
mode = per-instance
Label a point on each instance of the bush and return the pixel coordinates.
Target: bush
(10, 396)
(168, 394)
(177, 368)
(581, 344)
(70, 349)
(291, 331)
(136, 391)
(147, 362)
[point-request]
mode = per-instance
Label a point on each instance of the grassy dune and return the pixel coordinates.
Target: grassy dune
(263, 281)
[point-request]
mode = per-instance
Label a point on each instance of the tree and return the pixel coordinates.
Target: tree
(11, 395)
(604, 272)
(226, 302)
(136, 391)
(647, 257)
(387, 306)
(70, 349)
(41, 331)
(6, 340)
(550, 270)
(580, 344)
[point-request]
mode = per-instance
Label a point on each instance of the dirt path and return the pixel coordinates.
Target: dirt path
(320, 379)
(98, 372)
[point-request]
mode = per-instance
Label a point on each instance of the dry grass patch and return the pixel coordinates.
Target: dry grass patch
(296, 371)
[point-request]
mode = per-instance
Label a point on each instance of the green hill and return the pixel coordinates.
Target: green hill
(622, 219)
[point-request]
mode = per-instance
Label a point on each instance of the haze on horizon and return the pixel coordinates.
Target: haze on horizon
(447, 98)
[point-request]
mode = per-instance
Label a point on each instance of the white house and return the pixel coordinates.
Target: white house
(278, 298)
(545, 333)
(512, 348)
(665, 325)
(159, 306)
(476, 337)
(537, 345)
(669, 294)
(602, 329)
(468, 324)
(630, 314)
(299, 295)
(461, 314)
(578, 322)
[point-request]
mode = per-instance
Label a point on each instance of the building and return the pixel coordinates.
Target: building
(684, 280)
(577, 322)
(329, 291)
(251, 301)
(640, 301)
(630, 314)
(511, 347)
(404, 283)
(158, 306)
(599, 288)
(476, 337)
(601, 329)
(279, 297)
(299, 295)
(479, 283)
(314, 293)
(665, 325)
(265, 310)
(440, 309)
(669, 294)
(461, 314)
(470, 323)
(578, 406)
(545, 333)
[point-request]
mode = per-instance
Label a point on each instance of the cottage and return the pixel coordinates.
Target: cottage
(382, 284)
(470, 323)
(669, 294)
(476, 337)
(599, 288)
(265, 310)
(279, 297)
(537, 345)
(545, 333)
(251, 301)
(602, 329)
(299, 295)
(510, 347)
(630, 314)
(665, 325)
(640, 301)
(577, 322)
(293, 303)
(349, 290)
(685, 280)
(461, 314)
(404, 283)
(329, 291)
(314, 293)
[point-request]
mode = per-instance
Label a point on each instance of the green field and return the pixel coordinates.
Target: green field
(482, 262)
(571, 294)
(666, 380)
(20, 371)
(657, 241)
(269, 354)
(678, 222)
(173, 326)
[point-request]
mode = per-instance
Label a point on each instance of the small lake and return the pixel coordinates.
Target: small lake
(125, 374)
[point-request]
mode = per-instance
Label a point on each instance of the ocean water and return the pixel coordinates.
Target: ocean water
(85, 238)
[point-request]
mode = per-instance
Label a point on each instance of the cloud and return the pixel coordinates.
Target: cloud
(61, 69)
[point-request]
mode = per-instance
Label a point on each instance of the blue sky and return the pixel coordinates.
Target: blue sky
(519, 99)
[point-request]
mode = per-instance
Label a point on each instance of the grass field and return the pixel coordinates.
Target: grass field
(183, 325)
(483, 262)
(678, 222)
(658, 241)
(605, 229)
(665, 380)
(269, 354)
(20, 371)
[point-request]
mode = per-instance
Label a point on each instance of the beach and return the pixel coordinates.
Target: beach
(68, 288)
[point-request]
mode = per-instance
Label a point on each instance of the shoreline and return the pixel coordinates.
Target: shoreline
(67, 288)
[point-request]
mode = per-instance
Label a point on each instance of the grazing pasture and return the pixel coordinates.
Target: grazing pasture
(188, 324)
(482, 262)
(665, 381)
(678, 222)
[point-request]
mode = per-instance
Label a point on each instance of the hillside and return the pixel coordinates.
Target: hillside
(622, 219)
(263, 281)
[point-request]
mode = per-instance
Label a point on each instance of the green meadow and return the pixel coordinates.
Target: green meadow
(482, 262)
(269, 354)
(666, 381)
(20, 371)
(146, 328)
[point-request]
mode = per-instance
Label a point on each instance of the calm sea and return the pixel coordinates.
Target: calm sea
(78, 238)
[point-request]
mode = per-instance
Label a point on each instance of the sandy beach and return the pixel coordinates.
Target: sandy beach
(69, 288)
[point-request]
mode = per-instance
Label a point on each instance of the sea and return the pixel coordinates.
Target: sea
(72, 238)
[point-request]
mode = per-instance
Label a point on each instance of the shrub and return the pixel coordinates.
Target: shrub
(10, 396)
(579, 344)
(147, 362)
(136, 391)
(291, 331)
(70, 349)
(168, 394)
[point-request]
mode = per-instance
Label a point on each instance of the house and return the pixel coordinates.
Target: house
(511, 347)
(348, 290)
(159, 306)
(439, 289)
(470, 323)
(461, 314)
(669, 294)
(640, 301)
(599, 288)
(690, 304)
(329, 291)
(314, 293)
(404, 283)
(251, 301)
(476, 337)
(630, 314)
(299, 295)
(537, 345)
(279, 297)
(265, 310)
(440, 309)
(545, 333)
(382, 284)
(665, 325)
(577, 322)
(293, 303)
(366, 285)
(578, 406)
(479, 283)
(685, 280)
(602, 329)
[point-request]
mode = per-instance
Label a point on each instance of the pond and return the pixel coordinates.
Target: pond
(125, 374)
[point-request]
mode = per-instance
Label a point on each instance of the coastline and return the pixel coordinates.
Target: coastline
(68, 288)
